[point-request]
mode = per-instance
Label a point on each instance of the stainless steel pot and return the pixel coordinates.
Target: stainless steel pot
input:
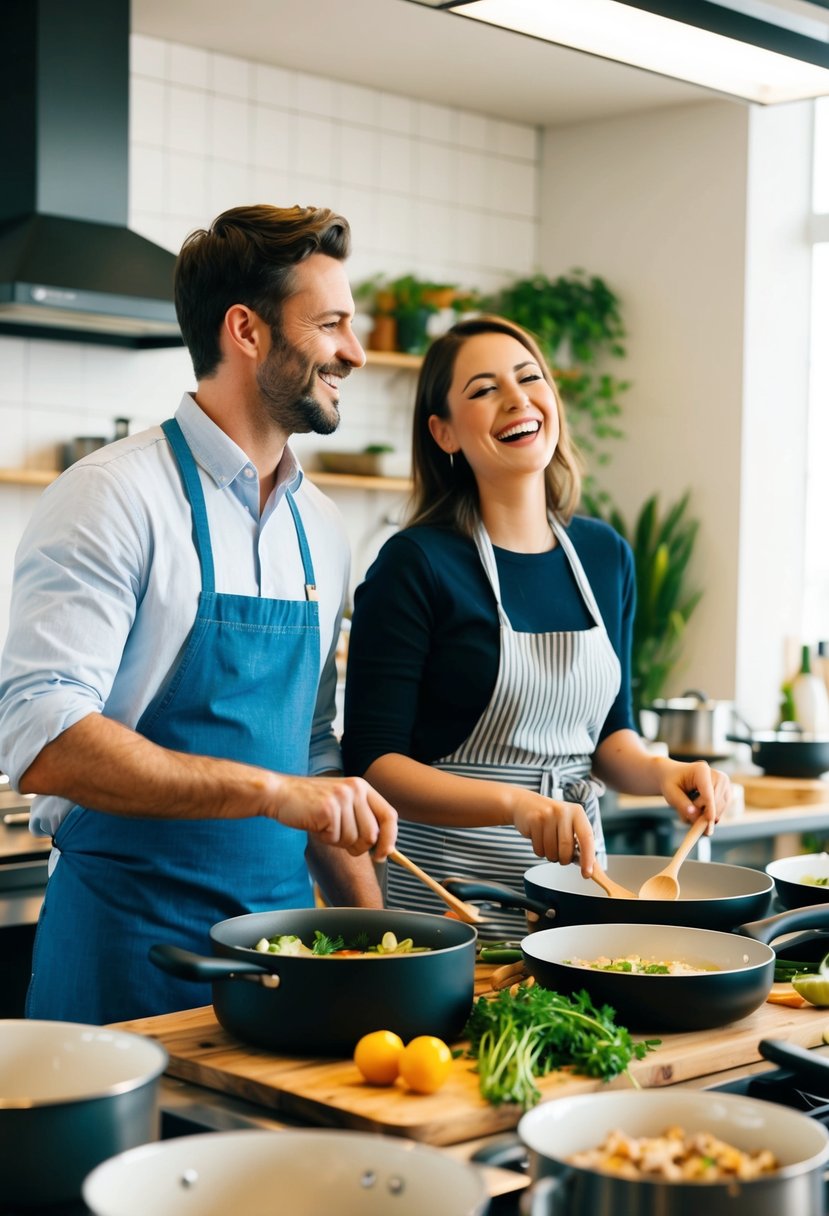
(695, 727)
(556, 1130)
(258, 1173)
(71, 1095)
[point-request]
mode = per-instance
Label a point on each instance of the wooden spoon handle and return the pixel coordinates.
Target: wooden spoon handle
(690, 838)
(614, 889)
(468, 912)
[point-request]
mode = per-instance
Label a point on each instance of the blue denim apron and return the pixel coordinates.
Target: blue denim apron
(245, 689)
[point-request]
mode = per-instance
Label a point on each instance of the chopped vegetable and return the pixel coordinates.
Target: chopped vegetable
(335, 947)
(517, 1037)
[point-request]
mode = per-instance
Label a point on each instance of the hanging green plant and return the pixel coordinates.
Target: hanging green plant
(577, 320)
(662, 548)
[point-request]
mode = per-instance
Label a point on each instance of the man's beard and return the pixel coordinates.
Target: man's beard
(287, 384)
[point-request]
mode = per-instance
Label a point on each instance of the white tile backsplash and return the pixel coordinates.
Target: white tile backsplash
(229, 129)
(274, 86)
(147, 111)
(189, 65)
(186, 120)
(231, 76)
(149, 56)
(315, 95)
(444, 193)
(13, 354)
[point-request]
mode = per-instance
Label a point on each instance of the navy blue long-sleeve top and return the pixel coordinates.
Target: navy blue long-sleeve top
(424, 646)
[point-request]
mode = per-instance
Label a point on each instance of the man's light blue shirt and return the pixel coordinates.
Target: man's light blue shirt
(107, 581)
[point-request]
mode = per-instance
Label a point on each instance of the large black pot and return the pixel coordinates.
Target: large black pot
(71, 1095)
(740, 979)
(788, 874)
(555, 1130)
(712, 895)
(787, 753)
(324, 1005)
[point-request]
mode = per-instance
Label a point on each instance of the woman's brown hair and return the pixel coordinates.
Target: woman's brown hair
(445, 491)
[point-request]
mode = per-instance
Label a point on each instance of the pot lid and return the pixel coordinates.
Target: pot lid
(692, 699)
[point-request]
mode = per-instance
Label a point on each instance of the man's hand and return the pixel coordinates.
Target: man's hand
(342, 811)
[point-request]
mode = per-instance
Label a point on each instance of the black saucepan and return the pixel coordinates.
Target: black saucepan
(787, 753)
(712, 895)
(739, 968)
(324, 1005)
(789, 874)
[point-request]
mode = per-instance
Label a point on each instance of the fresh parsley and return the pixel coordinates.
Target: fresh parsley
(323, 944)
(517, 1038)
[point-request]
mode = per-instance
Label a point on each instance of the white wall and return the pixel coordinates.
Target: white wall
(689, 213)
(444, 193)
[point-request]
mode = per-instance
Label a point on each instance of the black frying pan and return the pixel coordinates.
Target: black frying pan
(712, 895)
(788, 874)
(324, 1005)
(740, 979)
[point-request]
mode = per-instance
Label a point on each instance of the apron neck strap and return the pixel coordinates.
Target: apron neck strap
(195, 496)
(305, 552)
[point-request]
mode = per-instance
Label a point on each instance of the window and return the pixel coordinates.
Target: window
(816, 557)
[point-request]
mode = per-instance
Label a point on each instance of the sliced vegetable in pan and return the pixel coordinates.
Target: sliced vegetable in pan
(325, 946)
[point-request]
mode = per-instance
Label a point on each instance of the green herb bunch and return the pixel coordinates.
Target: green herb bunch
(517, 1038)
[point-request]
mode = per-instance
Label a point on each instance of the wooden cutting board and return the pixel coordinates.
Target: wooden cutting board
(771, 793)
(331, 1093)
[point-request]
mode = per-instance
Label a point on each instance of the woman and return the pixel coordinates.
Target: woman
(488, 691)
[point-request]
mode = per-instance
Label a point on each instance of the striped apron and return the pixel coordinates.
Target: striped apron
(539, 731)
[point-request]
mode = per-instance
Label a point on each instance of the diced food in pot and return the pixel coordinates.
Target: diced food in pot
(675, 1157)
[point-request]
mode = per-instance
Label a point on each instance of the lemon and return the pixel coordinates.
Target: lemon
(377, 1056)
(813, 988)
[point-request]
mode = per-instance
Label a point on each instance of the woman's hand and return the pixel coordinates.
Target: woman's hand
(713, 790)
(554, 828)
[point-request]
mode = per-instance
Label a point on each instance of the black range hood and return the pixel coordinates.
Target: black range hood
(69, 265)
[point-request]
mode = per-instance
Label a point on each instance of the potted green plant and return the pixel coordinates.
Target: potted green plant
(662, 547)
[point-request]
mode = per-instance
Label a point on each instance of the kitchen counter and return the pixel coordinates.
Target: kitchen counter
(216, 1083)
(642, 813)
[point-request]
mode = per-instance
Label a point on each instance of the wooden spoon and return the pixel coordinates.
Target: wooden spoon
(465, 912)
(665, 884)
(614, 889)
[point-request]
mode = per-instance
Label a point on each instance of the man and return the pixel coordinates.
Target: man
(169, 674)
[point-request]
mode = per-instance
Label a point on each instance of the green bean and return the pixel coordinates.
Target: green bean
(500, 954)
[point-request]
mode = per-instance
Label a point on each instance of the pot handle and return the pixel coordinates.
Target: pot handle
(797, 1059)
(186, 965)
(505, 1152)
(814, 916)
(738, 739)
(547, 1196)
(494, 893)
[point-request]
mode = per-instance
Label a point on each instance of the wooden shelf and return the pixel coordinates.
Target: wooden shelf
(355, 481)
(43, 477)
(393, 358)
(28, 477)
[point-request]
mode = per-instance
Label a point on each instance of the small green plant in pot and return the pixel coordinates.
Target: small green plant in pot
(414, 301)
(662, 546)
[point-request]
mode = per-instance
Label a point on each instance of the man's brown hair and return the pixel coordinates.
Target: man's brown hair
(247, 257)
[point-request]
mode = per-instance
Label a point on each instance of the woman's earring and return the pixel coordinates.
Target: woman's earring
(452, 461)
